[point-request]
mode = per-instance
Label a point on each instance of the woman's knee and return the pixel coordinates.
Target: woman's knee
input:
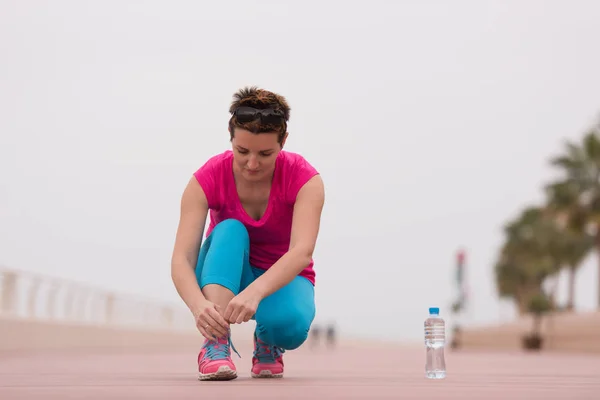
(288, 330)
(230, 228)
(223, 256)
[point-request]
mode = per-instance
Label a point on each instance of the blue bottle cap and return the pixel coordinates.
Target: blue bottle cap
(434, 310)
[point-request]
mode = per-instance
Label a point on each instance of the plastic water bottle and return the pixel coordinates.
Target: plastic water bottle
(435, 339)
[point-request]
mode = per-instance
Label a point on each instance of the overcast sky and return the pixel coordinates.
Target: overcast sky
(430, 121)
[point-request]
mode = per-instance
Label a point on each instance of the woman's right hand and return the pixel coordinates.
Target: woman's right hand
(209, 320)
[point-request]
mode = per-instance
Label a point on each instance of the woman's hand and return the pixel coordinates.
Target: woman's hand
(209, 320)
(242, 307)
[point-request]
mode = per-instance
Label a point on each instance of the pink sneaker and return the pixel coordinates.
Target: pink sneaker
(214, 361)
(267, 361)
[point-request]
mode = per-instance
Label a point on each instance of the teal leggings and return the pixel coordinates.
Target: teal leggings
(283, 319)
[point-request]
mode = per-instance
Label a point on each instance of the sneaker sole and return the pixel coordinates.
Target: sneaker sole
(224, 373)
(266, 374)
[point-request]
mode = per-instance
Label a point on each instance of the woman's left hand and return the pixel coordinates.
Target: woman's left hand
(242, 307)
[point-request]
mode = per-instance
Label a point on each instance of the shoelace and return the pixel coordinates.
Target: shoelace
(266, 353)
(219, 351)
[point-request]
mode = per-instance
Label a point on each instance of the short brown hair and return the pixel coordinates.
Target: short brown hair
(260, 99)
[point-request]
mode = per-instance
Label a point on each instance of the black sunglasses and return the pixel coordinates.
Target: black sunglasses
(267, 116)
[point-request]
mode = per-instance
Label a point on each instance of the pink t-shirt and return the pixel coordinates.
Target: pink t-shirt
(269, 236)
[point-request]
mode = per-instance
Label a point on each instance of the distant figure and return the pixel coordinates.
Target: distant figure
(263, 205)
(455, 342)
(331, 336)
(315, 333)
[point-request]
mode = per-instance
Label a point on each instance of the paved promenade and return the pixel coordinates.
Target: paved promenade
(349, 372)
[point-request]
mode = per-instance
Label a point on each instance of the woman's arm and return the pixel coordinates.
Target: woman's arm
(194, 209)
(305, 229)
(192, 218)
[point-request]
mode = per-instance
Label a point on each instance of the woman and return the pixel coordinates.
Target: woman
(256, 261)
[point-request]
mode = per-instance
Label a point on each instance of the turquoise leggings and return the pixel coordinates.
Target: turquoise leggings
(283, 319)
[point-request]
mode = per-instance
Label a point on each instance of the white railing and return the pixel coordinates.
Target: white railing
(35, 296)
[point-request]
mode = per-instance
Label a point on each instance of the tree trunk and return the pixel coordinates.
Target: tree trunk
(521, 305)
(537, 324)
(522, 300)
(553, 291)
(571, 299)
(523, 297)
(598, 254)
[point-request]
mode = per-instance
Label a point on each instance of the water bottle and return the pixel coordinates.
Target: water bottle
(435, 339)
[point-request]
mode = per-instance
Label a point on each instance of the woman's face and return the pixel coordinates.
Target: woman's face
(255, 154)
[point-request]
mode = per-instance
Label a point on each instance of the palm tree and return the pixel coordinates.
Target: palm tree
(528, 257)
(575, 197)
(516, 281)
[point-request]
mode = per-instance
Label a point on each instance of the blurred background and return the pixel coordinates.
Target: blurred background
(459, 143)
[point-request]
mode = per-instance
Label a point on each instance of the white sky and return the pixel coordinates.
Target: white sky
(430, 121)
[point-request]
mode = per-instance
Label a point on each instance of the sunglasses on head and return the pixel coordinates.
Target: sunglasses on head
(267, 116)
